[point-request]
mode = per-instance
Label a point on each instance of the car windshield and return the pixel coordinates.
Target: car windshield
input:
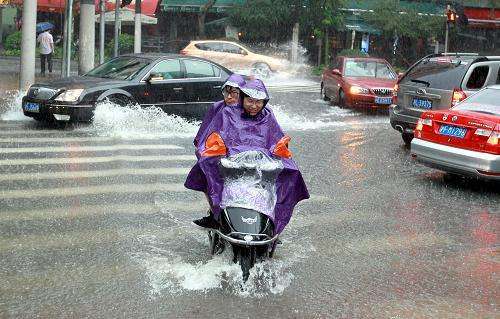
(122, 68)
(438, 73)
(372, 69)
(486, 101)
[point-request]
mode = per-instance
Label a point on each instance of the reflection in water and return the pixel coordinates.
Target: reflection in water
(352, 166)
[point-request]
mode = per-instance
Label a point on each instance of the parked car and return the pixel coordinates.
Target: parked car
(437, 82)
(359, 82)
(464, 139)
(235, 57)
(177, 84)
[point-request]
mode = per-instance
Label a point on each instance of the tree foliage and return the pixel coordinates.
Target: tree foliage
(273, 20)
(392, 19)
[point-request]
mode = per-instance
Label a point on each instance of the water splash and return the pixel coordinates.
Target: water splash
(134, 121)
(170, 268)
(327, 119)
(10, 107)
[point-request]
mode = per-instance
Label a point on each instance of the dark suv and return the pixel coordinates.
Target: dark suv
(439, 81)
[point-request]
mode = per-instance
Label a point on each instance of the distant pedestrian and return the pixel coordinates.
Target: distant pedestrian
(46, 49)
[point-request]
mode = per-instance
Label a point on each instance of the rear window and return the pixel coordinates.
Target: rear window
(485, 101)
(209, 46)
(437, 73)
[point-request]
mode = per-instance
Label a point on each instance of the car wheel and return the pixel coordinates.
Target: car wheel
(324, 97)
(261, 70)
(341, 99)
(407, 137)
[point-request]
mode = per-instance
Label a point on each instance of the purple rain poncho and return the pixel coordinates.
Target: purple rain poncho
(242, 133)
(235, 80)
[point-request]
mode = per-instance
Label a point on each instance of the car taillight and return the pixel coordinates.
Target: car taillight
(493, 143)
(421, 123)
(458, 95)
(183, 52)
(395, 94)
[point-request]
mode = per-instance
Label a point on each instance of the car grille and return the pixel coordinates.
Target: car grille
(41, 93)
(382, 92)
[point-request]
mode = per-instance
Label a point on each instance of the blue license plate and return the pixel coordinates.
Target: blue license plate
(383, 100)
(32, 107)
(452, 131)
(422, 104)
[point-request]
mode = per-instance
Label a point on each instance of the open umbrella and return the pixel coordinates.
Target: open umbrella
(44, 26)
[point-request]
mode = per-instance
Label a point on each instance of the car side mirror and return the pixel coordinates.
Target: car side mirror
(153, 76)
(400, 75)
(336, 72)
(243, 52)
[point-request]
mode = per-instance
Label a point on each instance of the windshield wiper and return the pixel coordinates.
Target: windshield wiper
(421, 82)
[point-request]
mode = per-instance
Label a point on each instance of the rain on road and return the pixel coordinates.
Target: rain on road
(95, 222)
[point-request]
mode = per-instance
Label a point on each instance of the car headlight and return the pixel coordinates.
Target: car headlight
(358, 90)
(69, 95)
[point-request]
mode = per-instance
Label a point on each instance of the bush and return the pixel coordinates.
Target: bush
(125, 45)
(13, 41)
(318, 70)
(353, 53)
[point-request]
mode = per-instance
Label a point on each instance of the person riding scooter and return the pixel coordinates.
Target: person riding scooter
(235, 130)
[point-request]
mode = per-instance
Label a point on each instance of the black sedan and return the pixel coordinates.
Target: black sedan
(180, 85)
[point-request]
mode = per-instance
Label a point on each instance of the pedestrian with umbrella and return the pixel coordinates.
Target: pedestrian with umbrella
(46, 42)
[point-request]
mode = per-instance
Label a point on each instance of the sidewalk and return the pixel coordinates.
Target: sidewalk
(10, 67)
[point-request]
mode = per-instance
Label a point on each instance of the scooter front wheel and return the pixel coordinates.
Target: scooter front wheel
(247, 261)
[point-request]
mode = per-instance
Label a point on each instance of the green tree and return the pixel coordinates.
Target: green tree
(273, 20)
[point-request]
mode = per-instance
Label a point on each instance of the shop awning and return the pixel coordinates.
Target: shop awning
(420, 7)
(148, 7)
(127, 17)
(195, 5)
(355, 23)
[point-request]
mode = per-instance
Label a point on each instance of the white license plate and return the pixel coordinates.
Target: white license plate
(32, 107)
(383, 100)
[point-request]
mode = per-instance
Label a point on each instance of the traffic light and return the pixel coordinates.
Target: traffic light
(125, 3)
(451, 16)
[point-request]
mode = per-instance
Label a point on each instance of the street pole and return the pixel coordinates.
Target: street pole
(138, 26)
(28, 45)
(102, 24)
(86, 52)
(68, 35)
(446, 37)
(117, 26)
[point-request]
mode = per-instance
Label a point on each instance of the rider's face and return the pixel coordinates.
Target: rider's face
(252, 106)
(231, 95)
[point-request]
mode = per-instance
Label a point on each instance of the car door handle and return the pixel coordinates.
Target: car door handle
(217, 86)
(177, 89)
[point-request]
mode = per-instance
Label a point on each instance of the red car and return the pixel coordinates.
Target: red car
(359, 82)
(464, 139)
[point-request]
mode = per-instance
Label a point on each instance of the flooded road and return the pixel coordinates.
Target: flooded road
(95, 222)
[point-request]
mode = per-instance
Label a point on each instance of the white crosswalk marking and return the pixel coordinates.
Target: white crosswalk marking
(98, 210)
(101, 159)
(75, 148)
(63, 139)
(313, 88)
(92, 190)
(91, 174)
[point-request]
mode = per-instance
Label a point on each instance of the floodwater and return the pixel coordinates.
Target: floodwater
(95, 222)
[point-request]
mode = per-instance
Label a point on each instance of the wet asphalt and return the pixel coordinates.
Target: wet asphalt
(97, 224)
